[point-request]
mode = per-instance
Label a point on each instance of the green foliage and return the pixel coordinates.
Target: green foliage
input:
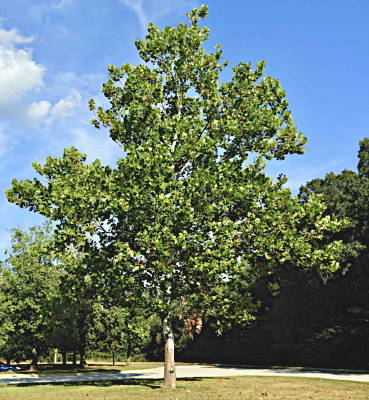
(117, 330)
(188, 219)
(305, 319)
(6, 322)
(30, 279)
(347, 196)
(363, 165)
(73, 311)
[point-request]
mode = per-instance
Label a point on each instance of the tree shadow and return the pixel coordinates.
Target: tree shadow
(150, 383)
(51, 369)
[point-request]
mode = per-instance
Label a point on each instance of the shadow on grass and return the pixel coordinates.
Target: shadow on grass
(150, 383)
(68, 369)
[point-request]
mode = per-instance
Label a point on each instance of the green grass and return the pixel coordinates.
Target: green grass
(93, 366)
(47, 369)
(234, 388)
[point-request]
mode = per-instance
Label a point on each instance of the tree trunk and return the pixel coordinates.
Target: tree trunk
(8, 361)
(169, 365)
(64, 357)
(55, 356)
(113, 357)
(74, 359)
(82, 357)
(129, 352)
(82, 331)
(34, 362)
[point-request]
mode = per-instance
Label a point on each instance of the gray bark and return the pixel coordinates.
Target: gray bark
(169, 364)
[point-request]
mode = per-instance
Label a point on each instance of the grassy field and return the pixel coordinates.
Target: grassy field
(235, 388)
(93, 366)
(47, 369)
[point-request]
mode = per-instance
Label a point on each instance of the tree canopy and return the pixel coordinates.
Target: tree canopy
(188, 210)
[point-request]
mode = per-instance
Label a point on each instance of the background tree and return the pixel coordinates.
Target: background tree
(347, 196)
(73, 311)
(118, 330)
(6, 323)
(189, 210)
(363, 165)
(30, 282)
(64, 333)
(305, 318)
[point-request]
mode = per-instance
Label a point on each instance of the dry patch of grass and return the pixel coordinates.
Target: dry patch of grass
(235, 388)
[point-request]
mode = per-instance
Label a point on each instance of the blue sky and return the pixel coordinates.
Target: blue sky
(54, 53)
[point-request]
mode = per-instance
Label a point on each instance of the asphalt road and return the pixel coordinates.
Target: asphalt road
(191, 371)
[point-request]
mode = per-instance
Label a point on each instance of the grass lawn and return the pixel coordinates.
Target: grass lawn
(93, 366)
(47, 369)
(234, 388)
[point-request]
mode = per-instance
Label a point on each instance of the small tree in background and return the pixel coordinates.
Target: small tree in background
(117, 330)
(30, 281)
(363, 155)
(6, 322)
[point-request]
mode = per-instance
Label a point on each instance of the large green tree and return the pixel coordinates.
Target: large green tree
(188, 211)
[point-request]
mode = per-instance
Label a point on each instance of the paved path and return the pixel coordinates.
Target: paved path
(191, 371)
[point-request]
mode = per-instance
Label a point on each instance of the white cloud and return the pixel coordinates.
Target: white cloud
(19, 73)
(38, 110)
(161, 8)
(44, 111)
(67, 106)
(11, 37)
(137, 7)
(152, 10)
(61, 4)
(20, 76)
